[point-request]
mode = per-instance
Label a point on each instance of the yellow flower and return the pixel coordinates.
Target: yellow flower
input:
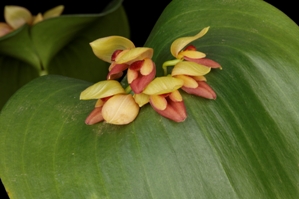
(191, 65)
(194, 81)
(114, 105)
(122, 54)
(17, 16)
(181, 51)
(165, 98)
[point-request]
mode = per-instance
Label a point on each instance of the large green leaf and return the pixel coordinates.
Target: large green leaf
(242, 145)
(58, 45)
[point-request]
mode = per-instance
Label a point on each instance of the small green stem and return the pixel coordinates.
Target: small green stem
(170, 63)
(128, 89)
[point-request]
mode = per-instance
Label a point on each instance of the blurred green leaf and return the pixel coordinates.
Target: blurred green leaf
(242, 145)
(59, 45)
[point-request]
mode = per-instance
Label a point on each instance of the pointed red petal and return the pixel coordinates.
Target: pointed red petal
(139, 84)
(175, 111)
(114, 55)
(117, 71)
(205, 62)
(190, 47)
(136, 65)
(203, 90)
(95, 116)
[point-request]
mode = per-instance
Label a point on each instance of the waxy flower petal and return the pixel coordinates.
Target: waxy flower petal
(176, 96)
(191, 54)
(37, 18)
(170, 106)
(162, 85)
(135, 54)
(116, 70)
(17, 16)
(95, 116)
(104, 47)
(205, 61)
(120, 109)
(102, 89)
(141, 99)
(190, 68)
(165, 97)
(5, 29)
(158, 102)
(136, 79)
(54, 12)
(180, 43)
(147, 67)
(199, 78)
(131, 75)
(188, 81)
(202, 90)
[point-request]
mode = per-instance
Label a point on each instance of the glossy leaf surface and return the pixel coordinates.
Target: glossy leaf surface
(244, 144)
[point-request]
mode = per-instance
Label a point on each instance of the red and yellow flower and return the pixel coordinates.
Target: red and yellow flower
(113, 104)
(122, 54)
(17, 16)
(116, 106)
(165, 98)
(181, 51)
(191, 65)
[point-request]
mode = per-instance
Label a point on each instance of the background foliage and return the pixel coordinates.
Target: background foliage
(58, 45)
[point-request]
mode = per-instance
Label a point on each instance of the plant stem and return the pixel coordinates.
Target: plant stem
(170, 63)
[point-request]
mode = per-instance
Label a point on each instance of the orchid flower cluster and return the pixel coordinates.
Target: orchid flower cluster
(17, 16)
(118, 105)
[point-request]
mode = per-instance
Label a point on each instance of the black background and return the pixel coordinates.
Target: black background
(142, 16)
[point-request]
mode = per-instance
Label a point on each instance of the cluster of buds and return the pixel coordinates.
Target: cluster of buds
(17, 16)
(119, 106)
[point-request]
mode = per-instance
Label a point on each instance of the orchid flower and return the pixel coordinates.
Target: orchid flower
(194, 81)
(184, 52)
(122, 54)
(114, 105)
(181, 51)
(191, 65)
(17, 16)
(164, 97)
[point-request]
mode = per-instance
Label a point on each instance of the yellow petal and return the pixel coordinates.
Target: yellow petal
(190, 68)
(147, 67)
(158, 102)
(200, 78)
(102, 89)
(188, 81)
(99, 103)
(54, 12)
(120, 109)
(180, 43)
(134, 54)
(17, 16)
(176, 96)
(141, 99)
(131, 75)
(162, 85)
(191, 54)
(37, 18)
(5, 29)
(104, 47)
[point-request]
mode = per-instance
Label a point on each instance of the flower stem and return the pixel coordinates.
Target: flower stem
(169, 63)
(128, 89)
